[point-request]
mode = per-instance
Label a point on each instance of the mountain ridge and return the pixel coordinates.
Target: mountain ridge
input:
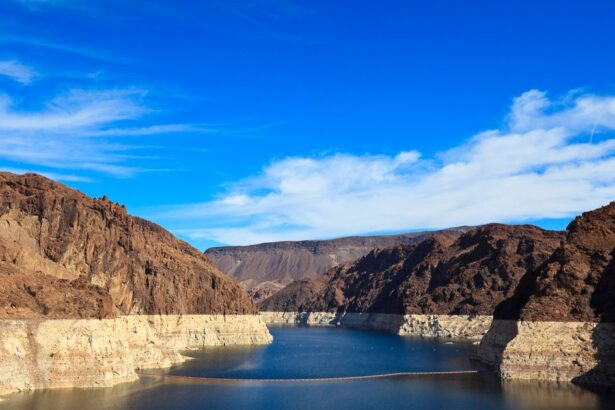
(267, 267)
(442, 274)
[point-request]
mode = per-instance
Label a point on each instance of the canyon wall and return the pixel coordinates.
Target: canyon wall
(89, 293)
(560, 322)
(266, 268)
(37, 354)
(583, 352)
(552, 296)
(445, 274)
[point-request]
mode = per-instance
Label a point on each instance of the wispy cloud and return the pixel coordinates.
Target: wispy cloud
(540, 166)
(87, 52)
(154, 129)
(79, 130)
(17, 71)
(76, 109)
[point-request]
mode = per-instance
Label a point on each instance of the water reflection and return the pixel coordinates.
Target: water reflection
(550, 395)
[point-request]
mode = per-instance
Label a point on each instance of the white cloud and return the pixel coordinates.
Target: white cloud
(533, 110)
(17, 71)
(540, 166)
(79, 130)
(74, 110)
(59, 134)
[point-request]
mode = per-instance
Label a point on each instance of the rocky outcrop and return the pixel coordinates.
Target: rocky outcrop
(264, 290)
(271, 266)
(80, 280)
(63, 254)
(433, 326)
(37, 354)
(559, 324)
(444, 275)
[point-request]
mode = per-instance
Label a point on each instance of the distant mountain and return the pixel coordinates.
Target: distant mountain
(443, 273)
(265, 268)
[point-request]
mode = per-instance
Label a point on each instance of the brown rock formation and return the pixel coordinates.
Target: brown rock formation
(577, 283)
(264, 290)
(443, 274)
(63, 254)
(559, 324)
(271, 266)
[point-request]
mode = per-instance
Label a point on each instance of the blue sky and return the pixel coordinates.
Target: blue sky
(247, 121)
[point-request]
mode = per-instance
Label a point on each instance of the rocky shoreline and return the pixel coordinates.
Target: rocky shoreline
(551, 294)
(580, 352)
(43, 354)
(465, 327)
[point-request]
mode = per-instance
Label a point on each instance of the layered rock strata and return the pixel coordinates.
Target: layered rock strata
(582, 352)
(36, 354)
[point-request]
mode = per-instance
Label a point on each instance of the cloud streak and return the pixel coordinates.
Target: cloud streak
(539, 166)
(79, 130)
(17, 71)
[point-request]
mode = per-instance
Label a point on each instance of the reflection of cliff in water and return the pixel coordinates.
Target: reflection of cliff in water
(550, 395)
(116, 397)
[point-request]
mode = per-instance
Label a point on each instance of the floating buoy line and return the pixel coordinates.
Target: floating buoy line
(209, 380)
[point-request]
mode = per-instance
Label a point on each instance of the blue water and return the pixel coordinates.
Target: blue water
(323, 352)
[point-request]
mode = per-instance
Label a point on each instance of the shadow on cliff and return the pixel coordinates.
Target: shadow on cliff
(504, 327)
(602, 376)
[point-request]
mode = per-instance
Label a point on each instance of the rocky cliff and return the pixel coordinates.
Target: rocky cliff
(443, 274)
(577, 283)
(37, 354)
(63, 254)
(89, 294)
(266, 268)
(559, 324)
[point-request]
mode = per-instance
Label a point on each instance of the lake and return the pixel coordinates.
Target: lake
(300, 352)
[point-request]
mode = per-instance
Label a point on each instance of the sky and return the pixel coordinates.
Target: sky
(240, 122)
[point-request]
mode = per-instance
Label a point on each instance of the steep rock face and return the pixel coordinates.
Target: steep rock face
(577, 283)
(559, 324)
(443, 274)
(63, 254)
(274, 265)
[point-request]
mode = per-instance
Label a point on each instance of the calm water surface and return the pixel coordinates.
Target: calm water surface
(323, 352)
